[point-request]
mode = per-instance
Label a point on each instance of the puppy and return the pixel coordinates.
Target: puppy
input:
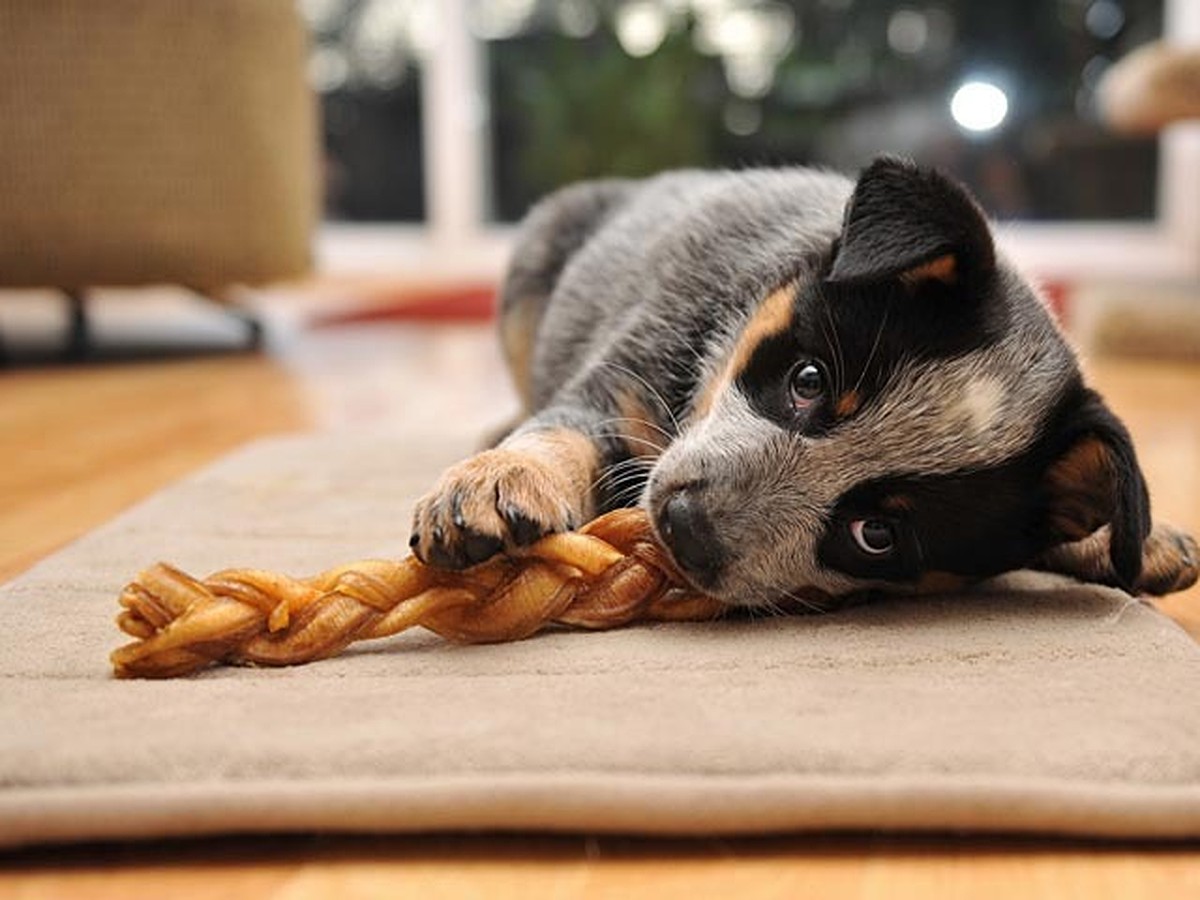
(812, 385)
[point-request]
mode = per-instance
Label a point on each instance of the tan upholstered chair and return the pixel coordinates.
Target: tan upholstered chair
(154, 141)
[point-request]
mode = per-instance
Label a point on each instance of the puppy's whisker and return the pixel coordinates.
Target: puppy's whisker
(626, 494)
(802, 601)
(643, 459)
(765, 604)
(875, 346)
(698, 355)
(658, 448)
(627, 474)
(615, 420)
(835, 345)
(634, 468)
(654, 393)
(618, 420)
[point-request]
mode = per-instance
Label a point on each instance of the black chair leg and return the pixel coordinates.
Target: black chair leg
(225, 302)
(79, 333)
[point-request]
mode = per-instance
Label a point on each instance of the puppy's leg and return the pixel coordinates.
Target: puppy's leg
(537, 481)
(589, 452)
(1170, 561)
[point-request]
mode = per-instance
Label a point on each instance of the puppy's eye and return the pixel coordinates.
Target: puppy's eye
(873, 536)
(806, 383)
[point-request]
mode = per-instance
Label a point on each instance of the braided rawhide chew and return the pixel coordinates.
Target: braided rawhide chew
(609, 573)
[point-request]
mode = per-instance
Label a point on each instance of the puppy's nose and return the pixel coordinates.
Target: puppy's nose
(689, 535)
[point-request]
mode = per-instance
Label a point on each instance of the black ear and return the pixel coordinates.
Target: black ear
(1096, 481)
(913, 224)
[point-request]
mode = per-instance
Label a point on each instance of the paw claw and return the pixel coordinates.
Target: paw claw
(441, 557)
(496, 499)
(523, 529)
(478, 547)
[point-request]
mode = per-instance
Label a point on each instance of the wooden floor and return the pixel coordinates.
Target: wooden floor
(77, 445)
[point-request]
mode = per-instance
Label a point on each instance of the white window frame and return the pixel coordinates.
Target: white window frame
(458, 243)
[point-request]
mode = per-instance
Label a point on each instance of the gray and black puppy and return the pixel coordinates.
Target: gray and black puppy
(810, 384)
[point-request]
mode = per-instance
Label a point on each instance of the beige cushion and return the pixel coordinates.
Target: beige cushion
(1049, 708)
(154, 141)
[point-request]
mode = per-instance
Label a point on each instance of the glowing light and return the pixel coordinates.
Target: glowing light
(742, 118)
(323, 14)
(766, 31)
(499, 20)
(979, 106)
(908, 31)
(1104, 19)
(327, 69)
(750, 41)
(378, 47)
(577, 18)
(641, 27)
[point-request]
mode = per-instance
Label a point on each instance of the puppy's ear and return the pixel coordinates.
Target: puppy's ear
(916, 225)
(1096, 481)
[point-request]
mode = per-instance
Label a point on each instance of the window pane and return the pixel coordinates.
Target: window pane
(999, 92)
(365, 66)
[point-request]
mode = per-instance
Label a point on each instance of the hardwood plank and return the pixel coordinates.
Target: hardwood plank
(531, 868)
(81, 444)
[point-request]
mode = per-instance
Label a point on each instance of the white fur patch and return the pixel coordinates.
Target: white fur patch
(981, 404)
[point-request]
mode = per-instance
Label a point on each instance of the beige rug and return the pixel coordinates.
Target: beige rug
(1034, 707)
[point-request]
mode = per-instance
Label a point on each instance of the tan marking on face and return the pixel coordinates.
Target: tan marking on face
(847, 404)
(897, 503)
(706, 394)
(942, 268)
(639, 430)
(935, 582)
(1080, 485)
(773, 317)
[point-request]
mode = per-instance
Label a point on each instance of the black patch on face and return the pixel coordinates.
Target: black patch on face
(859, 334)
(972, 523)
(976, 523)
(871, 308)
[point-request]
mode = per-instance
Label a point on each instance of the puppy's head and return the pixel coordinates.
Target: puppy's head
(909, 419)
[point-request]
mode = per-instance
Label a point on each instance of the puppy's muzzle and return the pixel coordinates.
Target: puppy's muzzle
(686, 530)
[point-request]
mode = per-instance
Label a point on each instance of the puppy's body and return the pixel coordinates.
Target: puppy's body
(810, 383)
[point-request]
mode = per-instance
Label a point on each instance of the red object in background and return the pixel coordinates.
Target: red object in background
(1058, 299)
(458, 303)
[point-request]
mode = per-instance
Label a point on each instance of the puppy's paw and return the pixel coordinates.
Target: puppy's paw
(496, 499)
(1170, 561)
